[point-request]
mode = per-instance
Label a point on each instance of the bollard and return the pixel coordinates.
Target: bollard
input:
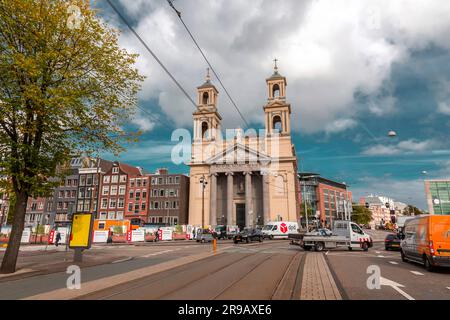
(215, 245)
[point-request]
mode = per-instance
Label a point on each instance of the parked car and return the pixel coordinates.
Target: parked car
(323, 232)
(427, 241)
(392, 241)
(220, 232)
(204, 235)
(248, 235)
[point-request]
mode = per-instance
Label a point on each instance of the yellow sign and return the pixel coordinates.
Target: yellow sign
(80, 236)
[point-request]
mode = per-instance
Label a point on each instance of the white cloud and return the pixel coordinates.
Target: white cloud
(407, 191)
(143, 123)
(327, 50)
(340, 125)
(410, 146)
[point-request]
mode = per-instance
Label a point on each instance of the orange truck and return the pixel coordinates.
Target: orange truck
(427, 241)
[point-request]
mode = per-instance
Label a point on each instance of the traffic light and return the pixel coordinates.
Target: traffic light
(367, 205)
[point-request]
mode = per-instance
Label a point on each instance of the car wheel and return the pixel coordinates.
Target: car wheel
(260, 239)
(271, 237)
(365, 246)
(350, 248)
(427, 264)
(203, 240)
(235, 241)
(404, 259)
(386, 248)
(319, 246)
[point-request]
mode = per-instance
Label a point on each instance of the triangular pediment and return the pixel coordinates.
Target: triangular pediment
(239, 153)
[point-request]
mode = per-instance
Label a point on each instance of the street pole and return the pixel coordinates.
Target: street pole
(204, 183)
(306, 208)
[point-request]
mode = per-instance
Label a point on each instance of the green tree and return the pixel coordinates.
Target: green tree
(66, 87)
(361, 214)
(411, 210)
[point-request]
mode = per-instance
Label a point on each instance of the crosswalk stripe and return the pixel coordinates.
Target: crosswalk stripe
(393, 262)
(417, 273)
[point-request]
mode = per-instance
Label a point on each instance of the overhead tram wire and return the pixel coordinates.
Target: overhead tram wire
(151, 52)
(207, 61)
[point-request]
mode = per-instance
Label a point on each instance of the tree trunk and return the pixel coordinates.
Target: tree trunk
(12, 251)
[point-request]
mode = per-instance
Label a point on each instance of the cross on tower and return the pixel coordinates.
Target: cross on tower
(208, 77)
(276, 67)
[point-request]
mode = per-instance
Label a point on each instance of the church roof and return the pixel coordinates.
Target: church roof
(207, 84)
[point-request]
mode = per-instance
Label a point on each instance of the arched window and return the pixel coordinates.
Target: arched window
(276, 90)
(204, 130)
(277, 126)
(205, 98)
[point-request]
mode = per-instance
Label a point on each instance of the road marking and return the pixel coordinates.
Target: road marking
(448, 288)
(155, 253)
(123, 260)
(380, 256)
(393, 262)
(377, 252)
(396, 286)
(327, 253)
(417, 273)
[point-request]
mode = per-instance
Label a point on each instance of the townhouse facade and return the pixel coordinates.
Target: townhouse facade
(124, 194)
(169, 198)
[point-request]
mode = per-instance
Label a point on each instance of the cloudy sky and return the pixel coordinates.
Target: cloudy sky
(355, 70)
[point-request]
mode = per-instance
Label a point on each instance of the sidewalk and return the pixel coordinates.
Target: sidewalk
(36, 261)
(318, 282)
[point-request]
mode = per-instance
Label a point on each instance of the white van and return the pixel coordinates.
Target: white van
(279, 229)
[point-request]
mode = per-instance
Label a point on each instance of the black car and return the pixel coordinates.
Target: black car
(392, 241)
(248, 235)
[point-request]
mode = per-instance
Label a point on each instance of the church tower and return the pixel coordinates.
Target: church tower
(278, 112)
(207, 120)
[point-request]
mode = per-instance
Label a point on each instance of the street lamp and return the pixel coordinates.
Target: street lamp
(204, 184)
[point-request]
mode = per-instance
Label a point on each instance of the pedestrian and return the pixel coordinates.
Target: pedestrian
(57, 238)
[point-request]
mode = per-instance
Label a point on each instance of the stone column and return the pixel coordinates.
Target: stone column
(248, 200)
(230, 196)
(213, 200)
(265, 190)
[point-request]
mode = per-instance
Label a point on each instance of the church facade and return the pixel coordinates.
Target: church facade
(244, 179)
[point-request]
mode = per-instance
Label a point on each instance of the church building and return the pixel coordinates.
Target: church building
(249, 178)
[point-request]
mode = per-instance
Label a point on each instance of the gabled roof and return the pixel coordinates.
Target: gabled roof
(231, 155)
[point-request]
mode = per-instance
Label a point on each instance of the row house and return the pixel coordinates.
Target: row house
(89, 177)
(4, 207)
(169, 198)
(65, 195)
(124, 194)
(37, 213)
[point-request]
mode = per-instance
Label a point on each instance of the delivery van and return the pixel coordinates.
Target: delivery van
(279, 229)
(427, 241)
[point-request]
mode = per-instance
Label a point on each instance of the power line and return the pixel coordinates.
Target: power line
(207, 61)
(151, 52)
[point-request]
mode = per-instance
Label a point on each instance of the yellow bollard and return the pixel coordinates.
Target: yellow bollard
(215, 245)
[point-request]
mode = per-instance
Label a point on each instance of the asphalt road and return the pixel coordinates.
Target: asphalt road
(412, 281)
(268, 270)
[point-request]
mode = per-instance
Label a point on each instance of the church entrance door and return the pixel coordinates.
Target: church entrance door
(240, 215)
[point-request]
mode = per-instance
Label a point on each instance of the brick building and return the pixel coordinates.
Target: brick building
(65, 195)
(326, 200)
(124, 193)
(89, 175)
(169, 198)
(36, 213)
